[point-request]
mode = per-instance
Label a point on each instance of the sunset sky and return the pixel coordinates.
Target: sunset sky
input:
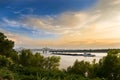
(61, 23)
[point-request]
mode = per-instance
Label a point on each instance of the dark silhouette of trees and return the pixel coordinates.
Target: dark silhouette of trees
(109, 66)
(28, 59)
(6, 46)
(5, 62)
(80, 67)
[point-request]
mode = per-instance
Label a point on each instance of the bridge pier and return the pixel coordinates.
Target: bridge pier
(46, 50)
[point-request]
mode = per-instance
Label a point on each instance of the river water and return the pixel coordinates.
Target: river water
(67, 60)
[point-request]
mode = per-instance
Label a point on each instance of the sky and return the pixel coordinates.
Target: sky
(82, 24)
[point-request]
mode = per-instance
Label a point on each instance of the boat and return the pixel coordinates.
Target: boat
(88, 55)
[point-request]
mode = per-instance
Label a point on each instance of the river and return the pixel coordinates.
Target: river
(67, 60)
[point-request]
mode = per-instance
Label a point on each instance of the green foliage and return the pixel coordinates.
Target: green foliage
(94, 70)
(5, 62)
(27, 58)
(14, 56)
(38, 60)
(51, 63)
(6, 74)
(6, 46)
(110, 66)
(80, 67)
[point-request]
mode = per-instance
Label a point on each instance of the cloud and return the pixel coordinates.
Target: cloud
(65, 23)
(11, 23)
(94, 28)
(56, 23)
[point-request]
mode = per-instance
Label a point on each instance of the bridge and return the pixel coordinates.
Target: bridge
(55, 51)
(79, 50)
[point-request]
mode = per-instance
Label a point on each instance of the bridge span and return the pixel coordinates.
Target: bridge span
(48, 50)
(78, 50)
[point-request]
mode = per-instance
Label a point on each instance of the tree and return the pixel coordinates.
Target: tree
(51, 63)
(110, 66)
(14, 56)
(5, 62)
(25, 57)
(80, 67)
(38, 60)
(6, 46)
(94, 69)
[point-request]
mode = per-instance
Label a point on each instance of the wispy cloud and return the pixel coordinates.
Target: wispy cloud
(94, 28)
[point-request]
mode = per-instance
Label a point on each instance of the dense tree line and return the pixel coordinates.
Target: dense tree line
(28, 66)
